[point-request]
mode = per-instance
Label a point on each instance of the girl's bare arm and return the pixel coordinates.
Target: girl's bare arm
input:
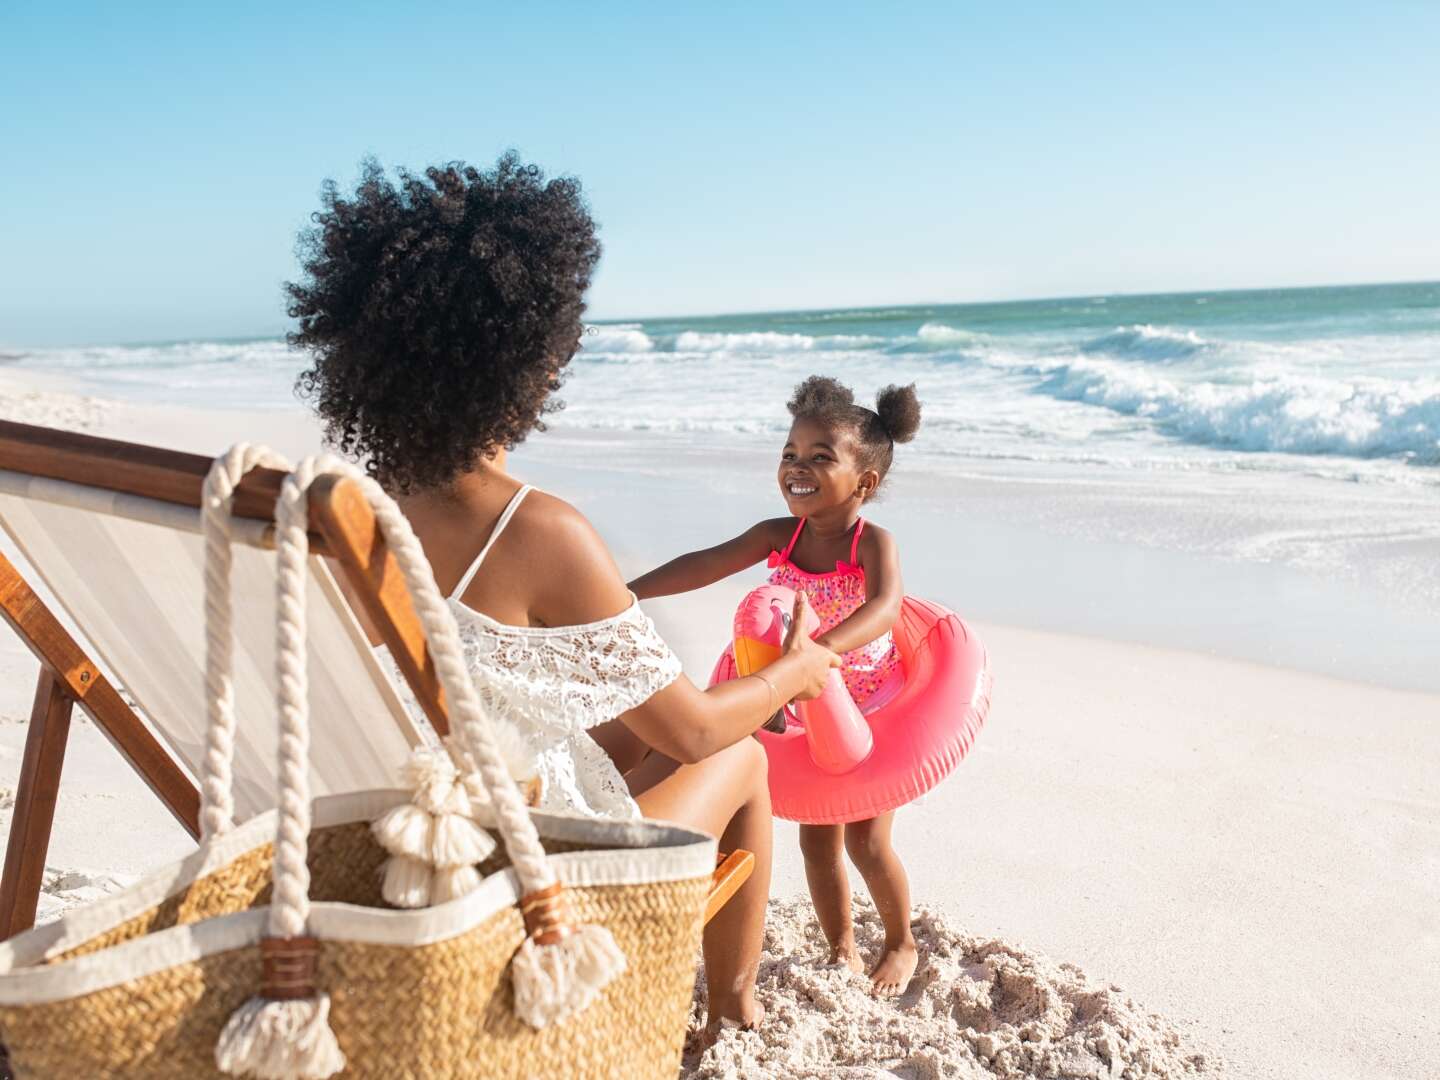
(697, 569)
(880, 557)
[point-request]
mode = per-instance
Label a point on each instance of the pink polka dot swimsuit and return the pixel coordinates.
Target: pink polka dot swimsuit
(834, 596)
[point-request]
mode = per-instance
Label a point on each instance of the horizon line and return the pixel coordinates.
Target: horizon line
(6, 348)
(1018, 300)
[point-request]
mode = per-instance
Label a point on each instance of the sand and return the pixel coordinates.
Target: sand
(1252, 852)
(30, 403)
(977, 1008)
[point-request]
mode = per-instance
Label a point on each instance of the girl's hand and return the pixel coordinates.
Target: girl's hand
(813, 661)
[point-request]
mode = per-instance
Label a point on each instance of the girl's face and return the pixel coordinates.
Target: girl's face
(819, 470)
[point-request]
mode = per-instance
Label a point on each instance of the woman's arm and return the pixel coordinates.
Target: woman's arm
(697, 569)
(681, 721)
(689, 724)
(883, 592)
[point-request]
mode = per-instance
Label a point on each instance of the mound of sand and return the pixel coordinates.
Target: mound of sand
(73, 412)
(62, 890)
(976, 1009)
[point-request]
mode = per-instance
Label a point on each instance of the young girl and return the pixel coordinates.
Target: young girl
(834, 460)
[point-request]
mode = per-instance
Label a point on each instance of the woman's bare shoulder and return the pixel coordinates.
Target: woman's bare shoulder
(570, 575)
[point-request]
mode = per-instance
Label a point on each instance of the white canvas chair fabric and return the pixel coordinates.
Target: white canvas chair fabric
(128, 572)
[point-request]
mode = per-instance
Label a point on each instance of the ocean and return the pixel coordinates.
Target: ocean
(1253, 473)
(1336, 382)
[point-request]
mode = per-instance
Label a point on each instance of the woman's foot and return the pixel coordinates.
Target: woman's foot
(892, 974)
(749, 1018)
(848, 956)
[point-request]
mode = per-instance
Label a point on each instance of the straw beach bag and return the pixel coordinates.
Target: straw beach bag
(270, 951)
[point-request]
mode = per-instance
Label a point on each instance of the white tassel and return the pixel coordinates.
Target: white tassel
(434, 798)
(458, 841)
(280, 1040)
(407, 882)
(453, 882)
(555, 981)
(432, 775)
(456, 801)
(427, 765)
(406, 830)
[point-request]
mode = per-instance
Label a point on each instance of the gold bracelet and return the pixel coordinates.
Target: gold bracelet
(774, 694)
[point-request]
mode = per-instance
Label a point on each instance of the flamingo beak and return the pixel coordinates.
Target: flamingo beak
(752, 655)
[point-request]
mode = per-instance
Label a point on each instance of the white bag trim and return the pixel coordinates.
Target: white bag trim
(637, 851)
(691, 856)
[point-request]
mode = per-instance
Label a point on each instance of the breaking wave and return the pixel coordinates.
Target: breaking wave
(620, 338)
(1148, 343)
(1284, 413)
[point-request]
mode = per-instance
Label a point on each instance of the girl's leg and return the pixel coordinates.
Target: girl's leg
(728, 795)
(868, 843)
(823, 848)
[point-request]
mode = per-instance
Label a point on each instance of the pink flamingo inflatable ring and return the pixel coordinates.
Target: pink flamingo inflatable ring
(832, 765)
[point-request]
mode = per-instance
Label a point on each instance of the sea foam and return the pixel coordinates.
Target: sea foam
(1285, 413)
(616, 338)
(758, 342)
(940, 335)
(1148, 343)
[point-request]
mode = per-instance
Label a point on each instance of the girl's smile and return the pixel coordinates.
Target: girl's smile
(818, 470)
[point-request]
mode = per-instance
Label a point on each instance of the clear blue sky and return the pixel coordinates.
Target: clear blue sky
(159, 159)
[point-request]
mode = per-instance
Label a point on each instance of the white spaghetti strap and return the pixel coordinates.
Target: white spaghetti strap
(505, 516)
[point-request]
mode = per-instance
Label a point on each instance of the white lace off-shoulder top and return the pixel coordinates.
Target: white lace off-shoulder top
(549, 685)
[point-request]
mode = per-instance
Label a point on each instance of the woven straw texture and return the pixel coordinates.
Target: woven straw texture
(344, 866)
(440, 1010)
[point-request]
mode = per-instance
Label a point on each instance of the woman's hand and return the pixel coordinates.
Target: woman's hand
(688, 725)
(813, 662)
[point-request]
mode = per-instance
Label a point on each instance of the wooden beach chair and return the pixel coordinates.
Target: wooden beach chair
(112, 532)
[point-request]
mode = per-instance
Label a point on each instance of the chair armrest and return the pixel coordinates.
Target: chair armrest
(732, 869)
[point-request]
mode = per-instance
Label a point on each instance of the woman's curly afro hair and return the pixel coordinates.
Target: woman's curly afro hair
(439, 310)
(895, 418)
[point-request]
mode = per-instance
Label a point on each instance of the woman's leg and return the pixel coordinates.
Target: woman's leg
(728, 795)
(868, 843)
(823, 847)
(624, 747)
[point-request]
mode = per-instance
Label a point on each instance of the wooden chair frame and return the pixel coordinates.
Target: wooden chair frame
(342, 527)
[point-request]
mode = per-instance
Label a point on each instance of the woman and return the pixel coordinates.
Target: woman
(440, 312)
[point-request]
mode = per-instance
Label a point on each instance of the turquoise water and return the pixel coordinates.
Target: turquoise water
(1339, 382)
(1346, 378)
(1271, 314)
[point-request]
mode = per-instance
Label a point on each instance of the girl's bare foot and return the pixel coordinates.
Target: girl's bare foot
(892, 974)
(846, 954)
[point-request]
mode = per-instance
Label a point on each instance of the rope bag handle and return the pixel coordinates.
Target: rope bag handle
(217, 800)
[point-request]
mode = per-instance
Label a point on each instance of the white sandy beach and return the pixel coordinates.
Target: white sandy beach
(1251, 852)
